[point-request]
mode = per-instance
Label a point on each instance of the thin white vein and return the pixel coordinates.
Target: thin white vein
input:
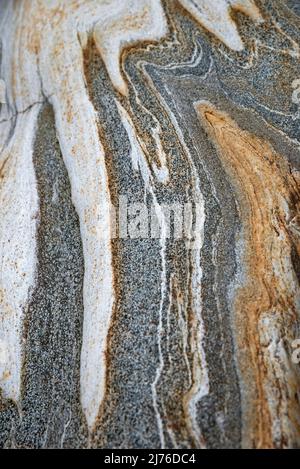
(200, 387)
(139, 158)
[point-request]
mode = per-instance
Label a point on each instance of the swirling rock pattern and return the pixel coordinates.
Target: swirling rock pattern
(116, 332)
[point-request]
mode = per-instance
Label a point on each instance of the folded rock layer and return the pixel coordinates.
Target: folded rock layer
(149, 224)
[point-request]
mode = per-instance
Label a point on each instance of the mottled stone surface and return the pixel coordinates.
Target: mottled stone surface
(132, 341)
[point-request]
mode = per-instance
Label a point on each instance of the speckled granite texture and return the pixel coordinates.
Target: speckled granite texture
(112, 336)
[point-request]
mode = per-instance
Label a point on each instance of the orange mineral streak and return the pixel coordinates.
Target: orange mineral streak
(266, 303)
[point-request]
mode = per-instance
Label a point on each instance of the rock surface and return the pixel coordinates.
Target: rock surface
(149, 224)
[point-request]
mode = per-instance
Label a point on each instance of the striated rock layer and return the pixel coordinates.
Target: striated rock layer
(149, 224)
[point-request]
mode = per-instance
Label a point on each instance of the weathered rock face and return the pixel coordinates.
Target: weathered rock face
(149, 223)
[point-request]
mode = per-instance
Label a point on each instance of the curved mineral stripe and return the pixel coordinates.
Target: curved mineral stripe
(126, 24)
(199, 382)
(214, 15)
(18, 196)
(83, 154)
(139, 162)
(18, 224)
(84, 158)
(267, 296)
(199, 386)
